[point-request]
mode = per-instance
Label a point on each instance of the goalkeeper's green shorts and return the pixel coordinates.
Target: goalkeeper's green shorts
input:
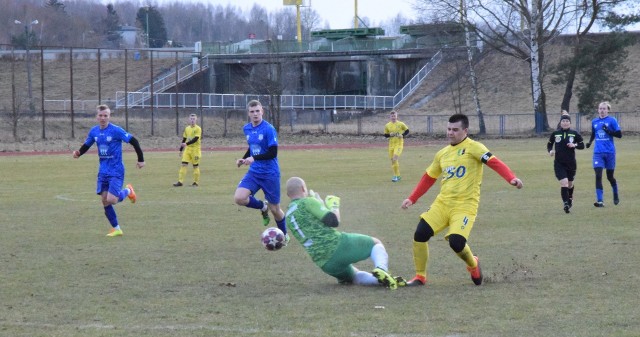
(351, 249)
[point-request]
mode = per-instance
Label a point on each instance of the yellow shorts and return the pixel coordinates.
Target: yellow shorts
(191, 156)
(458, 219)
(395, 151)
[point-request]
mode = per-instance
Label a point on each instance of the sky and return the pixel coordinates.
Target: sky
(339, 13)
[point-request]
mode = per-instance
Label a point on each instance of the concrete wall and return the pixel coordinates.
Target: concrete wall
(372, 75)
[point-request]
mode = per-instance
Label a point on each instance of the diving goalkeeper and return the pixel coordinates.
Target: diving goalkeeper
(313, 223)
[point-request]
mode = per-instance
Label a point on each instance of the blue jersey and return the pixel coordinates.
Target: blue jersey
(109, 142)
(260, 138)
(604, 141)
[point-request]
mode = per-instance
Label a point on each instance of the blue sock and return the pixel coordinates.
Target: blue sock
(123, 194)
(615, 189)
(599, 194)
(282, 225)
(110, 212)
(255, 203)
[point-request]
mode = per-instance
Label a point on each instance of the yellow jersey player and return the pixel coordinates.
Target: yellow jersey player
(190, 151)
(459, 165)
(395, 130)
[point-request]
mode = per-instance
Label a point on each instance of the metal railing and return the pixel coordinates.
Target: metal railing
(163, 82)
(142, 98)
(415, 81)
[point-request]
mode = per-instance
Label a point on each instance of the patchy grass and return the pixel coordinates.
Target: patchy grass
(191, 263)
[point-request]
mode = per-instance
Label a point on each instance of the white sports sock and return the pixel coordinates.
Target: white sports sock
(365, 279)
(380, 257)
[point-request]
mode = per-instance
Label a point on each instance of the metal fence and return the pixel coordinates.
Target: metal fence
(228, 123)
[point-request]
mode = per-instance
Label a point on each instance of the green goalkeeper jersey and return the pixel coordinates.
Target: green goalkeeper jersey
(304, 221)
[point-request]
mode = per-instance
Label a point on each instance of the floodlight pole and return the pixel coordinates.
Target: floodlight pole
(355, 16)
(299, 24)
(147, 23)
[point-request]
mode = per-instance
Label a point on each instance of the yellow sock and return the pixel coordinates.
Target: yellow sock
(467, 256)
(196, 175)
(395, 166)
(182, 173)
(420, 257)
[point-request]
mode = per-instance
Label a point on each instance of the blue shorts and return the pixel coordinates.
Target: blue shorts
(112, 184)
(604, 160)
(270, 186)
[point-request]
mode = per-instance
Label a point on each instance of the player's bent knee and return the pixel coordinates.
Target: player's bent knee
(457, 242)
(423, 232)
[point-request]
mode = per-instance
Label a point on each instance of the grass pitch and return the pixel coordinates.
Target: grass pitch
(191, 263)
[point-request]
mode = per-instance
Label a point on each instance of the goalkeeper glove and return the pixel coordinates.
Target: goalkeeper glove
(332, 202)
(315, 195)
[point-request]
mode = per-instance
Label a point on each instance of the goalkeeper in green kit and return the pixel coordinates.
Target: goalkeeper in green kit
(313, 223)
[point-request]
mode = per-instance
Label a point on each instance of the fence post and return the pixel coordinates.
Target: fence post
(539, 122)
(502, 124)
(429, 125)
(42, 91)
(73, 134)
(225, 116)
(325, 121)
(292, 115)
(151, 90)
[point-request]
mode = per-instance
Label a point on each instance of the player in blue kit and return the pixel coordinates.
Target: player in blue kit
(264, 170)
(603, 130)
(109, 138)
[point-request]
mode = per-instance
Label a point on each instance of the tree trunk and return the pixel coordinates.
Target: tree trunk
(474, 82)
(536, 57)
(571, 77)
(568, 89)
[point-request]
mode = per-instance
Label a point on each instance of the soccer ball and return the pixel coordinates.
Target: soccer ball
(273, 238)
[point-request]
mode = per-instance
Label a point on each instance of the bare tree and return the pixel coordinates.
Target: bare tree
(284, 23)
(392, 26)
(519, 29)
(311, 21)
(460, 15)
(15, 114)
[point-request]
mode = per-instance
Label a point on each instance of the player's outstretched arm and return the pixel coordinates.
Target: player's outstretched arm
(503, 170)
(421, 188)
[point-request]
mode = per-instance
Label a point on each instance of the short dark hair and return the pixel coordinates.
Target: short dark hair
(253, 102)
(103, 107)
(460, 118)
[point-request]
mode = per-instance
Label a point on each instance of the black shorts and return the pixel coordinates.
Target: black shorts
(565, 170)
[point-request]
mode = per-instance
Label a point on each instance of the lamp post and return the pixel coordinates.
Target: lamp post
(147, 19)
(27, 35)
